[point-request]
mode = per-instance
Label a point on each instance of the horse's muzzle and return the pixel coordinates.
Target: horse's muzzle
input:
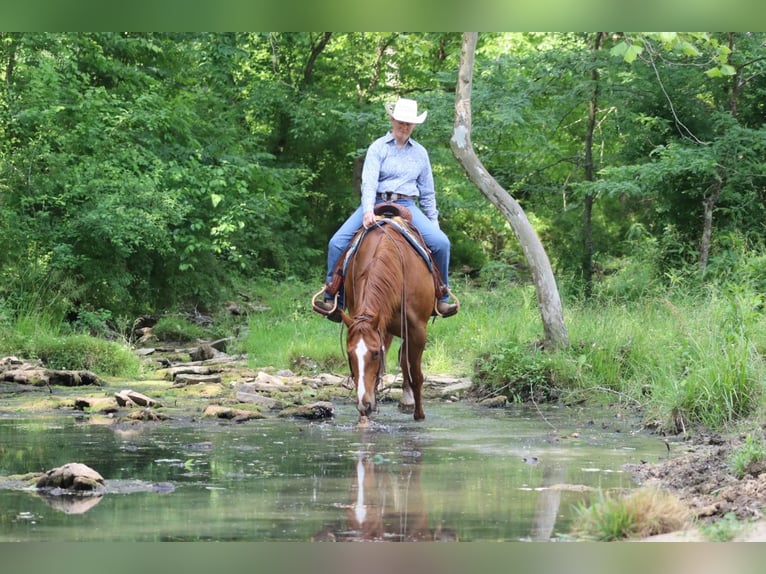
(366, 406)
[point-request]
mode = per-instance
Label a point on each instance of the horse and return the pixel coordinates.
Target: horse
(389, 292)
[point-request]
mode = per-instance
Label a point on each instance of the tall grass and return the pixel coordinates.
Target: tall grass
(36, 337)
(643, 512)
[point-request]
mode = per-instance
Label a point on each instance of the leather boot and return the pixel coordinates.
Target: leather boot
(446, 309)
(328, 308)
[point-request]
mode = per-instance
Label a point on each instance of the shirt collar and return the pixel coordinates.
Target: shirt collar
(390, 138)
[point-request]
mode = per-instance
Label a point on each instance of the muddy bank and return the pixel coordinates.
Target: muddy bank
(699, 473)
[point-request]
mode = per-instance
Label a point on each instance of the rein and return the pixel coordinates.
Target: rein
(403, 305)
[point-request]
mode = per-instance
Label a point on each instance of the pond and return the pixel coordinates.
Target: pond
(466, 473)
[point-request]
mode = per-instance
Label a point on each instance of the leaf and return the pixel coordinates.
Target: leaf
(619, 50)
(689, 49)
(668, 37)
(720, 71)
(713, 72)
(215, 199)
(633, 52)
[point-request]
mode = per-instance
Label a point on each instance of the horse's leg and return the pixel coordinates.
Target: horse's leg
(407, 402)
(412, 372)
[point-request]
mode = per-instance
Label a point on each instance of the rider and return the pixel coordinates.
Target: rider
(396, 168)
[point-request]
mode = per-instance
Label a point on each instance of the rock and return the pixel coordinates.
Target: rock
(202, 353)
(236, 415)
(314, 411)
(144, 351)
(37, 376)
(494, 402)
(147, 414)
(221, 344)
(73, 378)
(455, 388)
(271, 382)
(182, 380)
(74, 477)
(104, 404)
(129, 398)
(257, 387)
(326, 379)
(26, 375)
(260, 400)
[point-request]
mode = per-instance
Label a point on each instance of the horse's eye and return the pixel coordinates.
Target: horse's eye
(375, 355)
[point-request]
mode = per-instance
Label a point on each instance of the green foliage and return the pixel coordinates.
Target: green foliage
(723, 530)
(518, 372)
(748, 458)
(80, 352)
(31, 338)
(177, 328)
(284, 332)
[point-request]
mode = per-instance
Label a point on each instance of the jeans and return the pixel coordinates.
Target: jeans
(436, 240)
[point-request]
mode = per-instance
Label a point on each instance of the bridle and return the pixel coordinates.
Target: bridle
(383, 352)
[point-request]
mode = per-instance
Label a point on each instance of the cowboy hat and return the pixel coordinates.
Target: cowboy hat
(405, 111)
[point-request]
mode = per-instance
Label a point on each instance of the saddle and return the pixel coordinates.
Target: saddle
(399, 217)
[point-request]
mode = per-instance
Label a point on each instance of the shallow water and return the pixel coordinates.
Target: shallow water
(465, 473)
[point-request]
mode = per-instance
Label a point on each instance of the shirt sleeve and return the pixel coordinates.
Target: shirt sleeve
(371, 174)
(425, 183)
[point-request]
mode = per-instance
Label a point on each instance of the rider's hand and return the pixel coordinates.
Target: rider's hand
(368, 219)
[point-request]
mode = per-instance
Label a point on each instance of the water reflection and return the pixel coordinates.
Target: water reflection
(464, 474)
(71, 504)
(386, 503)
(548, 503)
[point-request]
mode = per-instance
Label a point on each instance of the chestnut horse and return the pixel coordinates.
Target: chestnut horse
(389, 293)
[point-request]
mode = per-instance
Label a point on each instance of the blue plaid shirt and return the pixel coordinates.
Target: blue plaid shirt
(405, 170)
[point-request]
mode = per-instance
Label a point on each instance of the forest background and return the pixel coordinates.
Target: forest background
(162, 173)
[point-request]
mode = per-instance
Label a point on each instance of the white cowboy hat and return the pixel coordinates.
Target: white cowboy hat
(405, 111)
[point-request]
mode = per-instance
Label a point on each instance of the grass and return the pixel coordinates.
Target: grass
(71, 351)
(644, 512)
(723, 530)
(748, 457)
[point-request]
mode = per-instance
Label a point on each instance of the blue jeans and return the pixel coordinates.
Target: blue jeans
(436, 240)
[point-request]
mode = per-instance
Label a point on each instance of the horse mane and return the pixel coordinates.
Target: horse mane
(382, 275)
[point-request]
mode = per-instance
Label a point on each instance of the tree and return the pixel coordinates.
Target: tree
(555, 333)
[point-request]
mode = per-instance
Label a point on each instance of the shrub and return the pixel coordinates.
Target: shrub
(644, 512)
(520, 372)
(83, 352)
(174, 328)
(748, 458)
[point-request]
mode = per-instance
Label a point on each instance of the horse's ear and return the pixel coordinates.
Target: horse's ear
(346, 318)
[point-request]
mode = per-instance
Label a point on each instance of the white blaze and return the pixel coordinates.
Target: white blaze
(361, 351)
(360, 510)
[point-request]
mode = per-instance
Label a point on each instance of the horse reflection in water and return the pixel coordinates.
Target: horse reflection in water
(386, 505)
(389, 292)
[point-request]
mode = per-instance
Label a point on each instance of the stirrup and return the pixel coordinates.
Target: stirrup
(436, 313)
(321, 310)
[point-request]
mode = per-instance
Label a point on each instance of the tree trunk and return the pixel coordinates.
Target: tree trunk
(708, 206)
(549, 302)
(587, 260)
(710, 200)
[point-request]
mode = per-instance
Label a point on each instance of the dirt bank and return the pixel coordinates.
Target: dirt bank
(699, 473)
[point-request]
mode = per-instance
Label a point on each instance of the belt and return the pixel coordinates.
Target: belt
(389, 196)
